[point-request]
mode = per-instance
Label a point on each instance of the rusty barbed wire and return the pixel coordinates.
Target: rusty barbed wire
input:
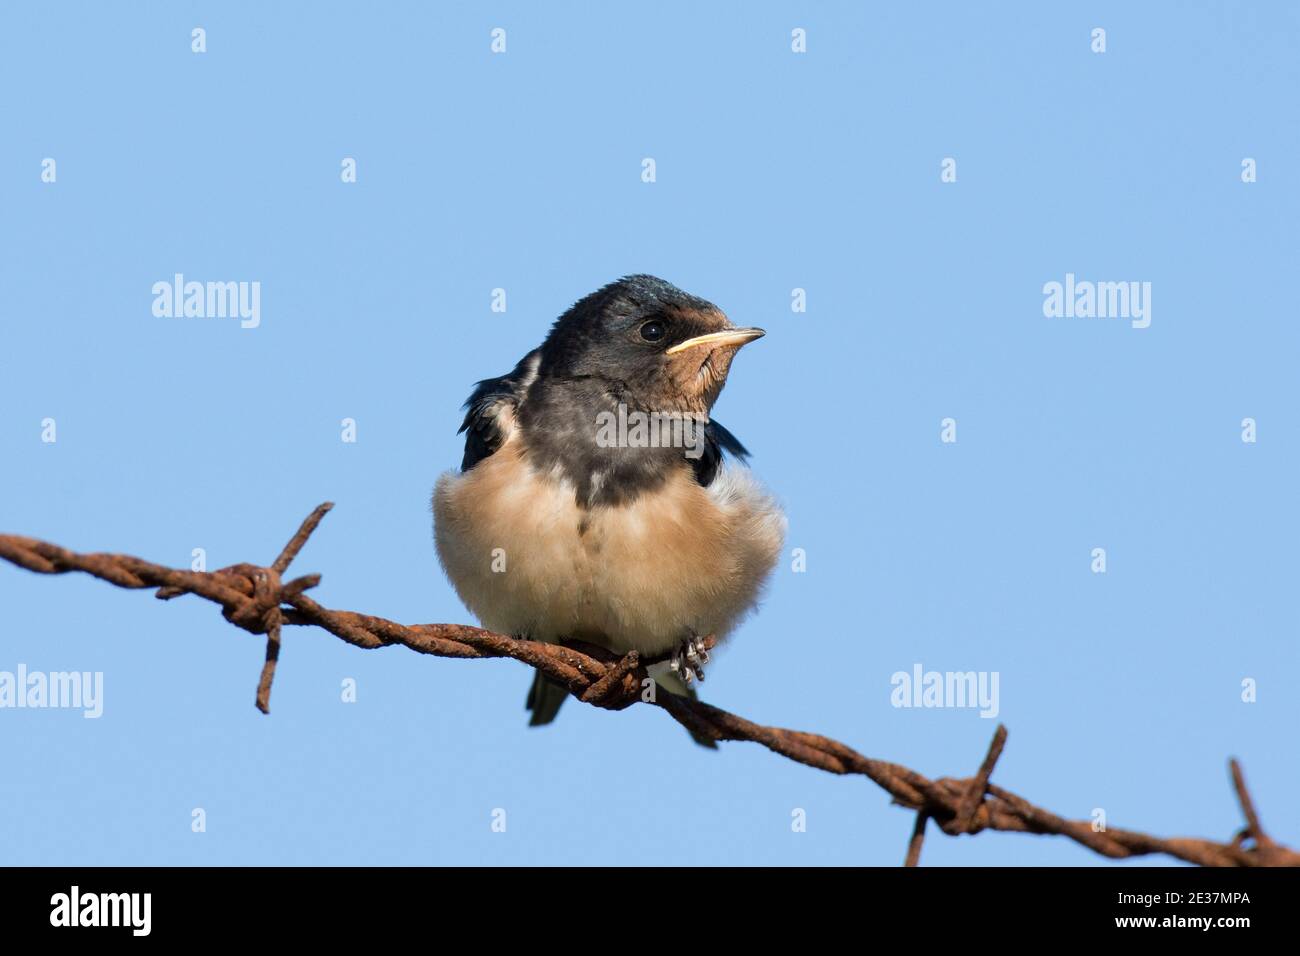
(256, 599)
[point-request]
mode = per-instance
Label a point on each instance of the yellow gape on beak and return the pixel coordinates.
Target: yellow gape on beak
(736, 337)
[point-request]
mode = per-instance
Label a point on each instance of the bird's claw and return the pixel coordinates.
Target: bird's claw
(689, 658)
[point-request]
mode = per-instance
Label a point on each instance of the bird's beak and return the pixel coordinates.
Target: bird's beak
(736, 337)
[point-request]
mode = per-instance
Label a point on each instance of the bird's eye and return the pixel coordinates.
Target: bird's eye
(652, 331)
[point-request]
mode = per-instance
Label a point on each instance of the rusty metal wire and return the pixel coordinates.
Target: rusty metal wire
(256, 599)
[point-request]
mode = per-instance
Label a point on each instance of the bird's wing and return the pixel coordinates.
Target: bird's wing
(716, 441)
(486, 427)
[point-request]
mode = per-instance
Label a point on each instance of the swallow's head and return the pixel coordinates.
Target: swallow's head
(652, 343)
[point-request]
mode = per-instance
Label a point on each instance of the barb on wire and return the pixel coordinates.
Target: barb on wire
(256, 599)
(918, 837)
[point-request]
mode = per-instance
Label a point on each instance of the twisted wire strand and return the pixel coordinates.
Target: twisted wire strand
(258, 600)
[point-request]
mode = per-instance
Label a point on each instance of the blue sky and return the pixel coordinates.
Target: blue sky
(775, 171)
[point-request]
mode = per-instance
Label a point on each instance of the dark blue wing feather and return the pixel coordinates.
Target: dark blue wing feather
(716, 441)
(482, 426)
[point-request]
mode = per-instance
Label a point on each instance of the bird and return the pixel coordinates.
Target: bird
(597, 498)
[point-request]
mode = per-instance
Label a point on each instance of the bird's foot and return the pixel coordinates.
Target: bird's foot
(689, 658)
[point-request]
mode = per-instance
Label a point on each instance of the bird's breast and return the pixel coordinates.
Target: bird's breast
(528, 560)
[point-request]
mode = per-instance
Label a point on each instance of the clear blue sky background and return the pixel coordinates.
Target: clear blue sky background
(775, 171)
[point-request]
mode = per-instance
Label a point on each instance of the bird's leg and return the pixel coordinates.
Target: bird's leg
(689, 658)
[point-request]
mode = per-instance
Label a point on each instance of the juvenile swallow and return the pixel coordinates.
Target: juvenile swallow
(594, 501)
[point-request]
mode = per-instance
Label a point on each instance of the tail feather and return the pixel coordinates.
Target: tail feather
(544, 700)
(546, 697)
(675, 685)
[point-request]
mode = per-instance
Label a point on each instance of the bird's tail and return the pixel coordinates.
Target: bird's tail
(670, 682)
(544, 700)
(546, 697)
